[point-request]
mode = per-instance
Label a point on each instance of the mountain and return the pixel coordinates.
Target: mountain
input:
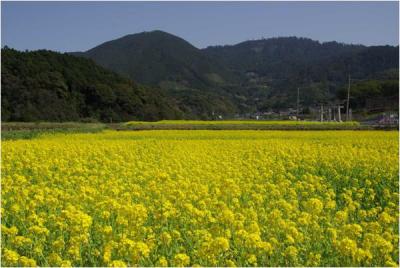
(157, 57)
(276, 67)
(278, 58)
(176, 67)
(174, 79)
(49, 86)
(251, 76)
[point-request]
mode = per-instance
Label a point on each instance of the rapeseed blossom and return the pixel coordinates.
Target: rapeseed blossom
(201, 198)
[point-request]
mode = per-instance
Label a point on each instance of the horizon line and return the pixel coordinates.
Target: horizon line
(249, 40)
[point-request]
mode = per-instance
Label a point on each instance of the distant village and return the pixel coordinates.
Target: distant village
(323, 113)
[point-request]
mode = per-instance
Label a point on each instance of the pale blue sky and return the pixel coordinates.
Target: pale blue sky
(78, 26)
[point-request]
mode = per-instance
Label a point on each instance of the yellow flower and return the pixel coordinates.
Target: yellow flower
(176, 234)
(10, 257)
(74, 252)
(27, 262)
(230, 263)
(162, 262)
(362, 255)
(138, 250)
(117, 263)
(252, 259)
(21, 241)
(105, 215)
(353, 230)
(291, 252)
(59, 244)
(38, 230)
(165, 238)
(180, 198)
(385, 218)
(107, 230)
(220, 244)
(347, 247)
(227, 216)
(330, 204)
(54, 259)
(181, 260)
(9, 231)
(314, 206)
(290, 239)
(341, 216)
(391, 263)
(66, 263)
(313, 259)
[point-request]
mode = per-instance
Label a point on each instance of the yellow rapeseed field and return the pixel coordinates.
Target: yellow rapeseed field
(208, 198)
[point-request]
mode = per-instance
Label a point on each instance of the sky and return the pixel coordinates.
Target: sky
(79, 26)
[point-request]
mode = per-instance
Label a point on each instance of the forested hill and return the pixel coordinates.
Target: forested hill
(177, 80)
(49, 86)
(156, 57)
(305, 59)
(248, 77)
(180, 70)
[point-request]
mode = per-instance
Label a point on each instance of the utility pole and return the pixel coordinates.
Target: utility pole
(322, 113)
(334, 112)
(298, 102)
(348, 101)
(339, 114)
(329, 113)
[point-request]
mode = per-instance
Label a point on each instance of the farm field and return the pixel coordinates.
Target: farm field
(238, 122)
(241, 125)
(29, 130)
(208, 198)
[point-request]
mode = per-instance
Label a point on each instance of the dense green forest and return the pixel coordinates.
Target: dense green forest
(151, 57)
(173, 65)
(276, 67)
(175, 80)
(248, 77)
(49, 86)
(373, 95)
